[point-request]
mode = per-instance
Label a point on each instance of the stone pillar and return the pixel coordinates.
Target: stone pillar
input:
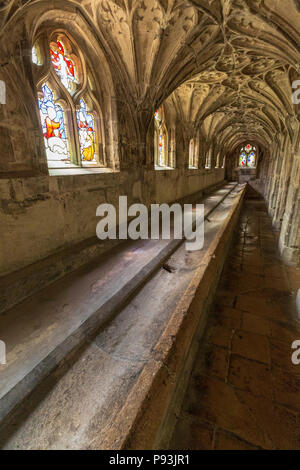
(202, 153)
(214, 152)
(275, 182)
(181, 149)
(289, 242)
(284, 180)
(269, 174)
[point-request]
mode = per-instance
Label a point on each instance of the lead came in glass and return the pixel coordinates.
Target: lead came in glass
(53, 126)
(87, 134)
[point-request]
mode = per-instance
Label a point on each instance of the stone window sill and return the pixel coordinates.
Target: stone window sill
(163, 168)
(78, 171)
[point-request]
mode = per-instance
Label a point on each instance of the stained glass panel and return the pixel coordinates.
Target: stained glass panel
(87, 134)
(161, 148)
(53, 126)
(63, 65)
(243, 159)
(251, 159)
(248, 156)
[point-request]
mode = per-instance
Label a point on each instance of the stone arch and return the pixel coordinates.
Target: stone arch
(96, 83)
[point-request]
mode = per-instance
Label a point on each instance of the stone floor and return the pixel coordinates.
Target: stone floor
(244, 391)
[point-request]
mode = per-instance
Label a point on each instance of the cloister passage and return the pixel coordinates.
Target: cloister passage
(243, 393)
(132, 344)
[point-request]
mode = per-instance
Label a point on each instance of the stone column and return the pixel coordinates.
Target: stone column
(181, 149)
(202, 153)
(272, 197)
(289, 242)
(284, 179)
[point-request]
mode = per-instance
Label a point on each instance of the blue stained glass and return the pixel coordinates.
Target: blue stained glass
(248, 156)
(243, 159)
(251, 159)
(53, 126)
(87, 134)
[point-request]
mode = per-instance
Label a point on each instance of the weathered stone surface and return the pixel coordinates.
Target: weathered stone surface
(225, 73)
(247, 392)
(146, 345)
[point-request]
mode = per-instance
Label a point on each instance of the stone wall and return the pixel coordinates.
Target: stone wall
(42, 215)
(138, 59)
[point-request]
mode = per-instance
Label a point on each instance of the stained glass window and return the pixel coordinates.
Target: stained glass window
(243, 159)
(248, 156)
(70, 124)
(87, 134)
(162, 147)
(251, 159)
(54, 128)
(63, 65)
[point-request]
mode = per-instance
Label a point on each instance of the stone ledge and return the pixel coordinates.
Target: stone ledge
(40, 361)
(144, 420)
(27, 281)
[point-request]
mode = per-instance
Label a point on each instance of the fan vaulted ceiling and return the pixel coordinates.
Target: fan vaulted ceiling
(228, 64)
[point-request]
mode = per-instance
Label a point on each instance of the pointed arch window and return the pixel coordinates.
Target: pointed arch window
(208, 159)
(248, 155)
(53, 120)
(86, 123)
(192, 159)
(69, 112)
(36, 54)
(161, 156)
(65, 63)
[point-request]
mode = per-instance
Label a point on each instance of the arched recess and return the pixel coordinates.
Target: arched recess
(68, 66)
(208, 158)
(248, 156)
(161, 139)
(192, 153)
